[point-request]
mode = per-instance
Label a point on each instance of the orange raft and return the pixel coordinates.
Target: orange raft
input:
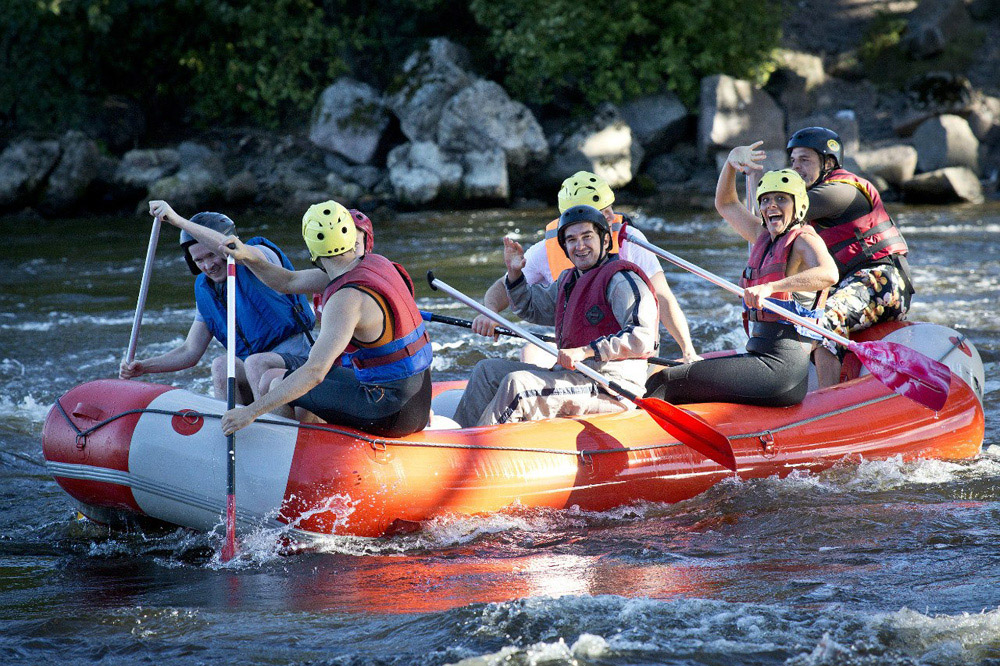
(130, 450)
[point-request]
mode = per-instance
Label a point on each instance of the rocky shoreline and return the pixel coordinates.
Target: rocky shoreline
(449, 139)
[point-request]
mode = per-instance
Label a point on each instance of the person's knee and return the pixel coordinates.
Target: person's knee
(220, 370)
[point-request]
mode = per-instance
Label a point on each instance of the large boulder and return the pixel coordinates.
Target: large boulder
(430, 78)
(604, 145)
(934, 24)
(24, 167)
(482, 117)
(950, 185)
(658, 122)
(421, 173)
(78, 166)
(734, 113)
(946, 141)
(895, 164)
(139, 169)
(484, 178)
(350, 120)
(199, 183)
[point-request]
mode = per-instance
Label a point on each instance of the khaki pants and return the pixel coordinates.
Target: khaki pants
(503, 391)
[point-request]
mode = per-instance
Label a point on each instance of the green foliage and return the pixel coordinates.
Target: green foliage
(570, 52)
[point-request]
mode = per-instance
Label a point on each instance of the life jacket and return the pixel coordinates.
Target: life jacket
(406, 349)
(264, 317)
(583, 313)
(854, 243)
(769, 263)
(558, 261)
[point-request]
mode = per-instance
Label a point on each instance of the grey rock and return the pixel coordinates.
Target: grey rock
(430, 78)
(141, 168)
(24, 167)
(192, 189)
(734, 113)
(365, 176)
(894, 164)
(482, 117)
(77, 168)
(658, 122)
(933, 24)
(604, 145)
(950, 185)
(421, 173)
(806, 65)
(484, 178)
(241, 188)
(350, 120)
(946, 141)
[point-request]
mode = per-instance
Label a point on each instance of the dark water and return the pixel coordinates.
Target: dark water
(877, 563)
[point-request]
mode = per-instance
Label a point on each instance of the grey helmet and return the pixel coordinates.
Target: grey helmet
(215, 222)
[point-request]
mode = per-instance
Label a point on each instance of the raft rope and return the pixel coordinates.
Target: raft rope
(584, 455)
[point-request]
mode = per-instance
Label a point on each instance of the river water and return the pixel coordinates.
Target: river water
(873, 563)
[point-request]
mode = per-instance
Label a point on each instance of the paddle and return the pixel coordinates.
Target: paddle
(906, 371)
(465, 323)
(684, 426)
(140, 306)
(229, 548)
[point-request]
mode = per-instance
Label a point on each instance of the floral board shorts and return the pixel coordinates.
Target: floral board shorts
(864, 298)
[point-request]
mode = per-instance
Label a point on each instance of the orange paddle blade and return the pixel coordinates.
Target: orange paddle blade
(691, 430)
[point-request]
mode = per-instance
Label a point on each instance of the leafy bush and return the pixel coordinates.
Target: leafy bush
(568, 52)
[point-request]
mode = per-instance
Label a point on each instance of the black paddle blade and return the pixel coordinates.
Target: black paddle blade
(691, 430)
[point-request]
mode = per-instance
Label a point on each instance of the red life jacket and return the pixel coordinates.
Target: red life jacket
(854, 243)
(558, 261)
(769, 263)
(407, 352)
(583, 313)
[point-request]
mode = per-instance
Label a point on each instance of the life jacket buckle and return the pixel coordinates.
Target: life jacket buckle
(767, 445)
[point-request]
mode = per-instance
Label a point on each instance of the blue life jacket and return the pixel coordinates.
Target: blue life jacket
(264, 317)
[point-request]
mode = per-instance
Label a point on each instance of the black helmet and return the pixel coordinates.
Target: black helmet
(215, 222)
(583, 213)
(824, 141)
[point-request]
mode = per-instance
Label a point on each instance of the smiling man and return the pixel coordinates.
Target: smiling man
(605, 315)
(271, 326)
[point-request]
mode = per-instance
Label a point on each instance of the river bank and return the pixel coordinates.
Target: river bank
(447, 138)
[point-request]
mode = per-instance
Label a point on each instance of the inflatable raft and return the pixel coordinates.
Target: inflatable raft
(129, 451)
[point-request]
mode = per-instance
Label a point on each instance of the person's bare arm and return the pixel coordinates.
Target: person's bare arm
(279, 278)
(815, 268)
(672, 317)
(179, 358)
(495, 299)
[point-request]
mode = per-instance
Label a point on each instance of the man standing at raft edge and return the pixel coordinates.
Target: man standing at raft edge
(866, 244)
(368, 303)
(604, 313)
(545, 261)
(271, 327)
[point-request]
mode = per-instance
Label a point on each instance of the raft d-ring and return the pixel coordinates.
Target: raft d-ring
(585, 459)
(379, 451)
(81, 441)
(767, 446)
(187, 422)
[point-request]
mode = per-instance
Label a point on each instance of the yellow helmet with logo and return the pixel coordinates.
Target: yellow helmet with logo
(328, 230)
(787, 182)
(584, 188)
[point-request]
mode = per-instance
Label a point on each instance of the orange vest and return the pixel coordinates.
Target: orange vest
(558, 261)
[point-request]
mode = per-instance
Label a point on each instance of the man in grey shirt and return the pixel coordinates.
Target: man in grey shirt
(605, 315)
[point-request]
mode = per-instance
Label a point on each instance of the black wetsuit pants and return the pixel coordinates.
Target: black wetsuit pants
(389, 409)
(773, 373)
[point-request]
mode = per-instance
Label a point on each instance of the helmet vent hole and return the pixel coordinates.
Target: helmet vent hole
(320, 236)
(343, 230)
(326, 211)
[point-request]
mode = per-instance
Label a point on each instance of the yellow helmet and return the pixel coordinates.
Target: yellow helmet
(585, 189)
(328, 230)
(787, 182)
